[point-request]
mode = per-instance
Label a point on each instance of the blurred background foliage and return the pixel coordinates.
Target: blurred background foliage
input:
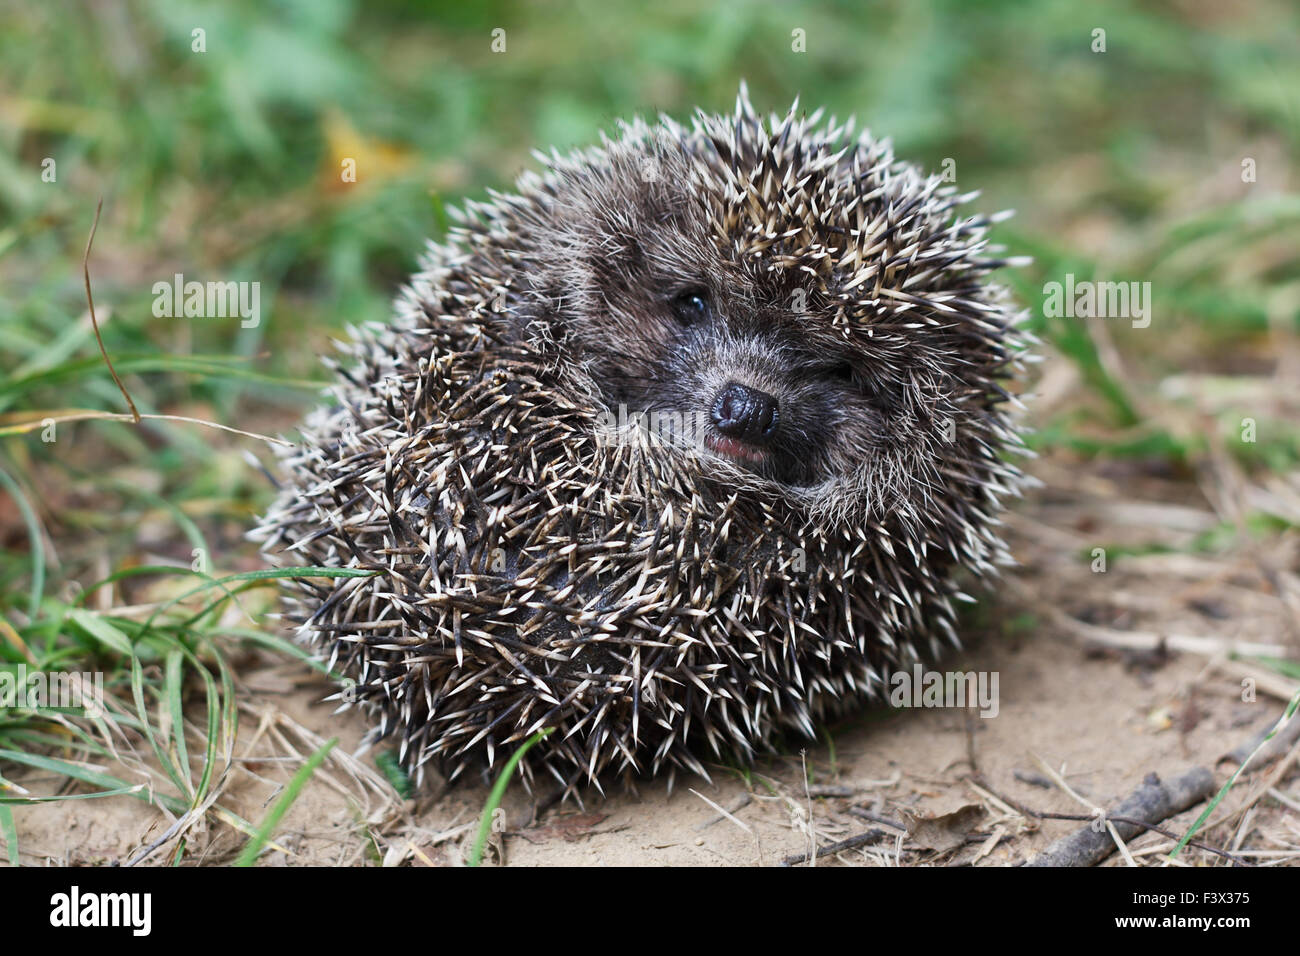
(225, 164)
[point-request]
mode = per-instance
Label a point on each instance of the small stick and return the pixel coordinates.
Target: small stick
(1033, 779)
(740, 803)
(32, 426)
(1150, 803)
(876, 818)
(831, 790)
(90, 301)
(853, 841)
(724, 814)
(1147, 826)
(1275, 748)
(1110, 827)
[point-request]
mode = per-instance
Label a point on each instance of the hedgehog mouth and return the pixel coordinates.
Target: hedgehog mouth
(741, 451)
(774, 464)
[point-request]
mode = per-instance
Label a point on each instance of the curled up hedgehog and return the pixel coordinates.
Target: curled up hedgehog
(684, 446)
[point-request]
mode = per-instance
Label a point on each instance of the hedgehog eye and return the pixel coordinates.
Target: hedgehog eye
(691, 306)
(838, 372)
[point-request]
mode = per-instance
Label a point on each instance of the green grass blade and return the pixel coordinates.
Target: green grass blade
(142, 712)
(250, 576)
(99, 627)
(60, 798)
(173, 680)
(248, 855)
(95, 778)
(218, 703)
(209, 366)
(1288, 715)
(499, 791)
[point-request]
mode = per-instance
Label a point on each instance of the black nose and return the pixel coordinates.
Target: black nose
(745, 413)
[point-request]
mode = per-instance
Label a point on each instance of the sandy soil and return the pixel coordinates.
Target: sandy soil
(1104, 677)
(1101, 716)
(1100, 722)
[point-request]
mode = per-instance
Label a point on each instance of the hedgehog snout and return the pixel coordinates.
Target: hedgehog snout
(746, 413)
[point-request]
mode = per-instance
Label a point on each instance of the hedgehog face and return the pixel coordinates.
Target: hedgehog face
(751, 361)
(733, 384)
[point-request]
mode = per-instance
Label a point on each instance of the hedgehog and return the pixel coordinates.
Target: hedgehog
(678, 450)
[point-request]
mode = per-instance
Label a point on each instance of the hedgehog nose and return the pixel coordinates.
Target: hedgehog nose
(745, 413)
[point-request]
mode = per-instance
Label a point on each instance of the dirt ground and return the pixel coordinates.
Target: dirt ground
(1097, 720)
(1104, 677)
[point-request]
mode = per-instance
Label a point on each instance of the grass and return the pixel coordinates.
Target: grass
(1287, 715)
(498, 793)
(395, 774)
(281, 806)
(223, 165)
(147, 663)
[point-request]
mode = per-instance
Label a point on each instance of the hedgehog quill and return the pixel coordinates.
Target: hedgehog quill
(681, 447)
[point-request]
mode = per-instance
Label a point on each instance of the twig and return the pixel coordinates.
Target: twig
(725, 814)
(740, 803)
(1152, 801)
(1144, 825)
(1279, 745)
(1115, 835)
(90, 301)
(1033, 779)
(876, 818)
(135, 415)
(21, 427)
(853, 841)
(831, 790)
